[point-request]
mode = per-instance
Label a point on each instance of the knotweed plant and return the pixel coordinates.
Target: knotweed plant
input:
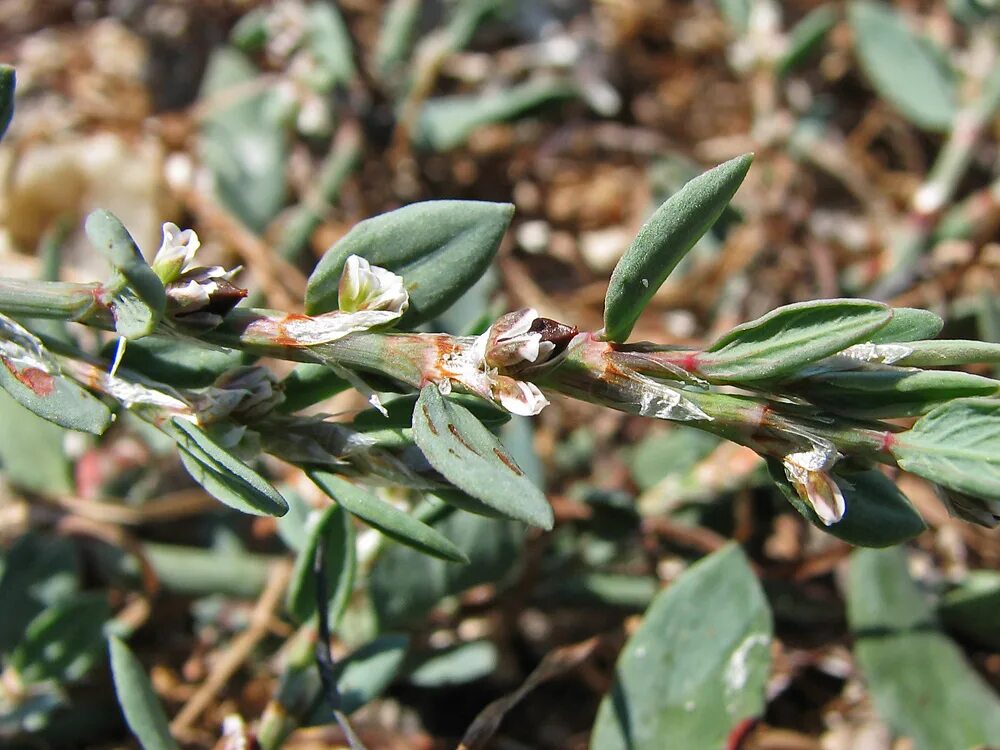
(827, 391)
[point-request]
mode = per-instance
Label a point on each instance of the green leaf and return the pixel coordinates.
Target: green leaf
(31, 451)
(138, 700)
(904, 67)
(138, 298)
(664, 240)
(367, 672)
(333, 527)
(439, 248)
(243, 144)
(364, 676)
(957, 445)
(447, 122)
(400, 21)
(972, 608)
(386, 517)
(805, 37)
(36, 572)
(908, 324)
(406, 584)
(898, 649)
(696, 667)
(882, 392)
(877, 515)
(64, 641)
(222, 474)
(790, 337)
(8, 82)
(456, 665)
(54, 398)
(330, 43)
(181, 364)
(944, 352)
(470, 457)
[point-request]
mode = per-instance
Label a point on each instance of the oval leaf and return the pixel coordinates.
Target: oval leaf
(898, 646)
(877, 515)
(908, 324)
(470, 457)
(32, 378)
(405, 584)
(972, 608)
(439, 248)
(139, 703)
(387, 518)
(138, 298)
(333, 527)
(805, 37)
(64, 641)
(664, 240)
(944, 352)
(53, 397)
(790, 337)
(447, 122)
(903, 67)
(885, 392)
(957, 445)
(243, 142)
(696, 667)
(364, 675)
(223, 475)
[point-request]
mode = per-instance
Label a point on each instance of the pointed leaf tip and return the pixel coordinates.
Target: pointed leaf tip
(664, 240)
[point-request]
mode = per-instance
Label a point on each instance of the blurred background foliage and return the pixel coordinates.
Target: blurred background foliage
(274, 128)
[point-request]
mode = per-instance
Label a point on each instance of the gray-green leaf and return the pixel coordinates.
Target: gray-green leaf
(387, 518)
(64, 641)
(405, 584)
(789, 338)
(908, 324)
(696, 667)
(138, 298)
(222, 474)
(805, 37)
(332, 527)
(439, 248)
(882, 392)
(904, 67)
(898, 646)
(664, 240)
(52, 396)
(447, 122)
(470, 457)
(957, 445)
(243, 144)
(877, 515)
(139, 702)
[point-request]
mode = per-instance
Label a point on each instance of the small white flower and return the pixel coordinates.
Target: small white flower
(518, 396)
(809, 473)
(367, 287)
(176, 252)
(509, 344)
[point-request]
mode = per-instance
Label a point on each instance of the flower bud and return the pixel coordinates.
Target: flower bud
(367, 287)
(809, 473)
(176, 252)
